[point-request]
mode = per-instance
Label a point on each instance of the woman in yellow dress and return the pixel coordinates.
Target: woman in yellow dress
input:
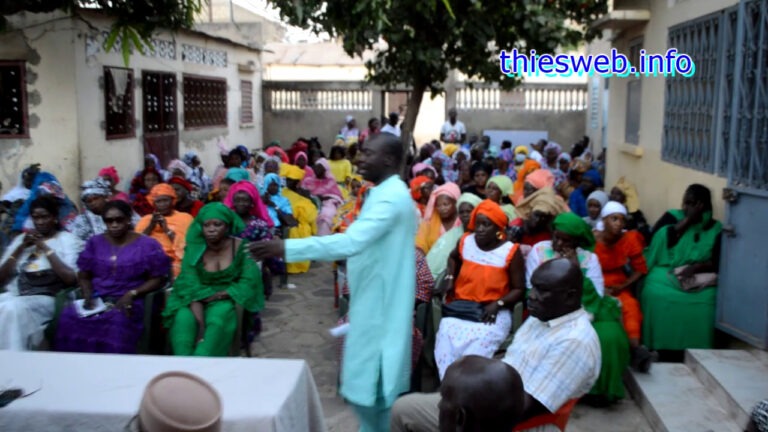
(304, 211)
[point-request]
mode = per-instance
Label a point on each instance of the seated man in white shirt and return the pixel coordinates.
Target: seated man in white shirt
(536, 150)
(556, 352)
(453, 131)
(391, 126)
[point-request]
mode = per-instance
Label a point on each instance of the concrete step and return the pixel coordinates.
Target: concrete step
(673, 400)
(736, 378)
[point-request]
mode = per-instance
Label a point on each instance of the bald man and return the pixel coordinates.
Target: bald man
(556, 352)
(480, 395)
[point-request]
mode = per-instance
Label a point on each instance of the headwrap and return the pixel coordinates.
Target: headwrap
(40, 179)
(553, 146)
(529, 166)
(503, 182)
(156, 160)
(571, 224)
(259, 210)
(321, 186)
(463, 151)
(268, 180)
(177, 164)
(416, 184)
(421, 166)
(159, 190)
(612, 207)
(96, 187)
(429, 148)
(110, 172)
(237, 174)
(196, 243)
(273, 143)
(181, 182)
(594, 177)
(493, 212)
(137, 184)
(564, 157)
(544, 200)
(541, 178)
(293, 172)
(521, 149)
(189, 157)
(579, 166)
(246, 155)
(632, 200)
(299, 146)
(348, 119)
(277, 151)
(450, 149)
(450, 190)
(468, 198)
(299, 154)
(340, 141)
(598, 196)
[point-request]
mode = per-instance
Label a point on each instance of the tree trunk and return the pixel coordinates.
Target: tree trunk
(409, 124)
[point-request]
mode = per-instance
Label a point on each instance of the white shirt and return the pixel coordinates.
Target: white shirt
(558, 360)
(394, 130)
(535, 155)
(453, 132)
(588, 261)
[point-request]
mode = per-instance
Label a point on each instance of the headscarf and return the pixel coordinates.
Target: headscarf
(137, 184)
(612, 207)
(429, 148)
(416, 184)
(237, 174)
(594, 177)
(450, 190)
(196, 240)
(177, 164)
(544, 200)
(293, 172)
(321, 186)
(553, 146)
(529, 166)
(277, 151)
(95, 187)
(541, 178)
(521, 149)
(598, 196)
(450, 149)
(110, 172)
(421, 166)
(19, 192)
(503, 182)
(162, 174)
(246, 155)
(259, 210)
(45, 184)
(299, 154)
(268, 180)
(189, 157)
(181, 182)
(161, 189)
(564, 157)
(493, 212)
(574, 226)
(463, 151)
(298, 147)
(630, 192)
(468, 198)
(340, 141)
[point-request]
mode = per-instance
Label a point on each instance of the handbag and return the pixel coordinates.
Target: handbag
(44, 282)
(694, 283)
(464, 310)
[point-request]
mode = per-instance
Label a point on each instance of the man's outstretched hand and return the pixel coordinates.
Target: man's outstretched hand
(267, 249)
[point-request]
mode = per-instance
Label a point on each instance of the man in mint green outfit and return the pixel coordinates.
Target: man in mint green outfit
(380, 251)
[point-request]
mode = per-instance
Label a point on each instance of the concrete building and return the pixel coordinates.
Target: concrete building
(75, 108)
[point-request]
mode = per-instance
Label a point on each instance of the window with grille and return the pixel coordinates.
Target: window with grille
(634, 97)
(118, 103)
(246, 102)
(691, 103)
(13, 100)
(205, 102)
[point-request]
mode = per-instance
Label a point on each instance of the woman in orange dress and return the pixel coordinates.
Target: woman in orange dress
(617, 249)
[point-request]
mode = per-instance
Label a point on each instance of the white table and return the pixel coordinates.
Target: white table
(98, 392)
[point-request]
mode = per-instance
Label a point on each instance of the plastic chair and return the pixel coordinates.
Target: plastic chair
(559, 419)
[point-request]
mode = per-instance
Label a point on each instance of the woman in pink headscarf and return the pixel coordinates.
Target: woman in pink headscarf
(440, 216)
(300, 159)
(110, 174)
(323, 185)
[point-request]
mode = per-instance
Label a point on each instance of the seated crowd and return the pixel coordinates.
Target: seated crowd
(527, 227)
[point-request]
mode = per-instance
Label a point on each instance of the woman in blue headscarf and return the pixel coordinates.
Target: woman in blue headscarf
(278, 206)
(590, 182)
(45, 184)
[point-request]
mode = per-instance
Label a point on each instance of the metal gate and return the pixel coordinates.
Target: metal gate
(742, 305)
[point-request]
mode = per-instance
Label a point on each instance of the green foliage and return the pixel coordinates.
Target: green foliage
(418, 42)
(135, 20)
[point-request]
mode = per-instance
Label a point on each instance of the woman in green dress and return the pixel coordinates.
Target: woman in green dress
(688, 240)
(216, 273)
(573, 238)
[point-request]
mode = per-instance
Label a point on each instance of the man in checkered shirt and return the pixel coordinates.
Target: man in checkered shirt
(556, 352)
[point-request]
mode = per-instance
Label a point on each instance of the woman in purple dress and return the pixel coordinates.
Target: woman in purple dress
(119, 266)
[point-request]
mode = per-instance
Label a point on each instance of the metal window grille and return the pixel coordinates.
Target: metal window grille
(118, 103)
(320, 100)
(205, 102)
(246, 102)
(634, 97)
(13, 100)
(527, 97)
(159, 91)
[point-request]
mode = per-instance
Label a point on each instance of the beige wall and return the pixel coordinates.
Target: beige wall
(660, 184)
(51, 101)
(287, 126)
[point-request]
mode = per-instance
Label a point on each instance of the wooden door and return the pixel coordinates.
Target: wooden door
(161, 135)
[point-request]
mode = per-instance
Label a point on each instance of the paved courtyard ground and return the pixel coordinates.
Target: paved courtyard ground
(296, 323)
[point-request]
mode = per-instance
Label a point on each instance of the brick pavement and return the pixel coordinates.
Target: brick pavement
(295, 325)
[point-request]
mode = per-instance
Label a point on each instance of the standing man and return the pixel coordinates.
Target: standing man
(391, 126)
(380, 251)
(453, 131)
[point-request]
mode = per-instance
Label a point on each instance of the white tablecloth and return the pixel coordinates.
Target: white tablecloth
(93, 392)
